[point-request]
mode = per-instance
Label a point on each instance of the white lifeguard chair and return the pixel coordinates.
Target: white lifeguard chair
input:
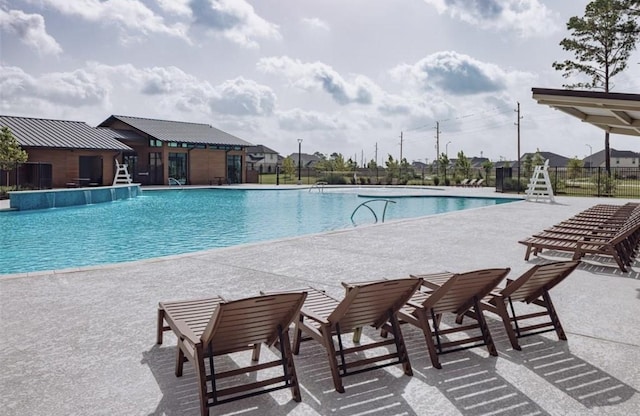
(122, 174)
(540, 185)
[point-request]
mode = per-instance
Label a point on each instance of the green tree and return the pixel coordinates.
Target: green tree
(528, 165)
(601, 43)
(289, 167)
(574, 167)
(487, 165)
(372, 164)
(11, 154)
(463, 165)
(393, 168)
(338, 163)
(538, 160)
(443, 161)
(323, 163)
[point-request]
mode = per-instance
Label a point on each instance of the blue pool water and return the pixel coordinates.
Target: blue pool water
(160, 223)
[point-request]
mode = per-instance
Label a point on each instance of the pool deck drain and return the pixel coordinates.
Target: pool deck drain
(83, 341)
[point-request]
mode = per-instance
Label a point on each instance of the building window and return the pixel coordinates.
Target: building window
(155, 143)
(178, 167)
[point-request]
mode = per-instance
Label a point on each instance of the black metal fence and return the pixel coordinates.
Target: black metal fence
(623, 182)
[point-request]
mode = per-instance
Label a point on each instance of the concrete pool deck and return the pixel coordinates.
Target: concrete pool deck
(83, 342)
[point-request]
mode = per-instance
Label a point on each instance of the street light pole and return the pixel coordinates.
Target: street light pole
(590, 155)
(299, 161)
(446, 149)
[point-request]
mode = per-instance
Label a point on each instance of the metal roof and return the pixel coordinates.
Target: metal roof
(37, 132)
(178, 131)
(617, 113)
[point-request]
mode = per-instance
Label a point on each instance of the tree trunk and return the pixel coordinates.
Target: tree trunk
(607, 154)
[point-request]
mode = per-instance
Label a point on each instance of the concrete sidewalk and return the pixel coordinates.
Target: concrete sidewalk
(83, 342)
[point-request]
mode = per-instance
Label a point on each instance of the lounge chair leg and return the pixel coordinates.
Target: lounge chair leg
(160, 326)
(287, 355)
(423, 319)
(333, 361)
(554, 316)
(403, 355)
(506, 321)
(297, 336)
(528, 253)
(255, 356)
(202, 380)
(179, 359)
(484, 328)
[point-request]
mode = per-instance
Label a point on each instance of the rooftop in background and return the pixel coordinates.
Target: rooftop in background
(617, 113)
(171, 131)
(38, 132)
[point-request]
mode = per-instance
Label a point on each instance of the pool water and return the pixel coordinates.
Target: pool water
(160, 223)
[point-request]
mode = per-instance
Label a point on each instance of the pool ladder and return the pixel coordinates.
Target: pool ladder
(366, 205)
(319, 186)
(174, 181)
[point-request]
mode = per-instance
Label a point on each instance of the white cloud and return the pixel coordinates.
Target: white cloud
(316, 75)
(167, 87)
(243, 97)
(131, 15)
(315, 23)
(235, 20)
(300, 120)
(176, 7)
(75, 88)
(31, 30)
(458, 74)
(526, 17)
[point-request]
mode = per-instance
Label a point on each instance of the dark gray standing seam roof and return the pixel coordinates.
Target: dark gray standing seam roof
(178, 131)
(37, 132)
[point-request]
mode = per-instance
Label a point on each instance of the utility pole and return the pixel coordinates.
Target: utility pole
(376, 159)
(518, 124)
(400, 161)
(437, 147)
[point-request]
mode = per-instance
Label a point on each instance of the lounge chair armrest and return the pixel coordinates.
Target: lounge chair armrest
(186, 332)
(312, 315)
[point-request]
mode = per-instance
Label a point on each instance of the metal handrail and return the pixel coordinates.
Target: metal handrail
(175, 182)
(319, 186)
(365, 204)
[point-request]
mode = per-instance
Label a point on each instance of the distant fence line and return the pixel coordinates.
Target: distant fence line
(623, 182)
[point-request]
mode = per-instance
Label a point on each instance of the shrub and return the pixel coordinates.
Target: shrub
(335, 179)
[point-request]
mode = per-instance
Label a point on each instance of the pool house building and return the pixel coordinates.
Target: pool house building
(72, 153)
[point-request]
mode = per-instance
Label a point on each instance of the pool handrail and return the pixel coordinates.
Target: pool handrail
(365, 204)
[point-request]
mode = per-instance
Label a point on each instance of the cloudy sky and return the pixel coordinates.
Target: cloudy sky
(345, 76)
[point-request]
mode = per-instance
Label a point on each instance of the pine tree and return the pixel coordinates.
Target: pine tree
(601, 43)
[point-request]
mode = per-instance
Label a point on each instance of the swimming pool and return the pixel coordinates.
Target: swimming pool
(168, 222)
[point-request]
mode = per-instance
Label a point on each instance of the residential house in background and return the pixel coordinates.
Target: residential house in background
(262, 159)
(619, 159)
(63, 153)
(555, 160)
(306, 160)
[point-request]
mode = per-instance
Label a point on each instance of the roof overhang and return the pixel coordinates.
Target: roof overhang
(617, 113)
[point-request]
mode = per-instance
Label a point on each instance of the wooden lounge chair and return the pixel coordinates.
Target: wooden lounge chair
(479, 183)
(464, 182)
(324, 318)
(621, 245)
(455, 293)
(533, 288)
(212, 327)
(472, 182)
